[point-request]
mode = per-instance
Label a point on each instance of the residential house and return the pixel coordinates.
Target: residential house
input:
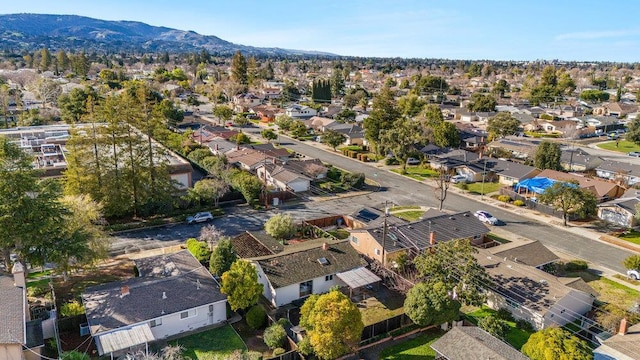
(368, 217)
(601, 124)
(283, 178)
(354, 134)
(472, 139)
(519, 147)
(270, 151)
(472, 343)
(625, 345)
(244, 102)
(624, 173)
(466, 116)
(621, 211)
(577, 159)
(247, 159)
(510, 173)
(524, 119)
(562, 127)
(174, 293)
(312, 267)
(484, 117)
(318, 123)
(490, 169)
(271, 93)
(603, 190)
(452, 159)
(220, 146)
(532, 294)
(615, 109)
(266, 113)
(300, 112)
(20, 337)
(415, 237)
(531, 253)
(312, 168)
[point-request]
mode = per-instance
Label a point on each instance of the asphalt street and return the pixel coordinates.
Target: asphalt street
(395, 189)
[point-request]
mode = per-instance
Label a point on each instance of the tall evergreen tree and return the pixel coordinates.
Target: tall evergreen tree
(239, 68)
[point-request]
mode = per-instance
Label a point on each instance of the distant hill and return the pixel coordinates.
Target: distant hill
(35, 31)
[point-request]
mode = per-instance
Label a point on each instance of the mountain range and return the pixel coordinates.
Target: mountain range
(71, 32)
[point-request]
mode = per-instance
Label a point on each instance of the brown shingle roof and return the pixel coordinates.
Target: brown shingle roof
(471, 343)
(599, 187)
(11, 312)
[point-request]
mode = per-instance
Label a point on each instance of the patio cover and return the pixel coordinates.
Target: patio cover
(124, 339)
(536, 184)
(358, 277)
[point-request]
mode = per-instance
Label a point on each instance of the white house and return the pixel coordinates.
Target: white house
(300, 271)
(533, 295)
(300, 112)
(283, 178)
(173, 294)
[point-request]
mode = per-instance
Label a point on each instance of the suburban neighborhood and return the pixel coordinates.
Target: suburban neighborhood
(208, 205)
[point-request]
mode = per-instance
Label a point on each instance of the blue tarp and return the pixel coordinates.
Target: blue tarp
(536, 184)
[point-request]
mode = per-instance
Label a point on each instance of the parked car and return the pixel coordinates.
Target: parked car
(634, 153)
(613, 136)
(413, 161)
(200, 217)
(458, 179)
(634, 274)
(485, 217)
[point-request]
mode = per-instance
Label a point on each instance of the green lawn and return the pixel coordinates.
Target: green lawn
(407, 207)
(497, 238)
(375, 310)
(417, 172)
(610, 291)
(478, 188)
(340, 233)
(515, 337)
(631, 236)
(214, 344)
(411, 215)
(416, 348)
(623, 146)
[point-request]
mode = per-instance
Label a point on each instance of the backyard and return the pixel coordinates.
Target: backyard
(215, 344)
(515, 337)
(623, 146)
(610, 291)
(384, 305)
(414, 348)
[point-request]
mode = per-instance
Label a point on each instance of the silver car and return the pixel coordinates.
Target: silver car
(485, 217)
(200, 217)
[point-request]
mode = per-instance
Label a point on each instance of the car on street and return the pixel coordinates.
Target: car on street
(200, 217)
(634, 153)
(458, 179)
(485, 217)
(633, 274)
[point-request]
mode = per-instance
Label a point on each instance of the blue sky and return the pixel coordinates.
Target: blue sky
(453, 29)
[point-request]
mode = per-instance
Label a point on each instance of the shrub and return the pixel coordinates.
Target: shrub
(576, 265)
(524, 325)
(391, 161)
(504, 198)
(464, 186)
(305, 347)
(284, 322)
(518, 203)
(199, 250)
(504, 314)
(494, 326)
(72, 308)
(334, 174)
(353, 180)
(278, 351)
(274, 336)
(256, 317)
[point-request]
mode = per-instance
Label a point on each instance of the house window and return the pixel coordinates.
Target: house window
(306, 288)
(188, 314)
(155, 322)
(328, 277)
(377, 251)
(210, 308)
(353, 239)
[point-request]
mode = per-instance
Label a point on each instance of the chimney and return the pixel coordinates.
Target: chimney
(465, 155)
(432, 238)
(325, 246)
(480, 154)
(19, 278)
(624, 327)
(217, 147)
(124, 291)
(273, 161)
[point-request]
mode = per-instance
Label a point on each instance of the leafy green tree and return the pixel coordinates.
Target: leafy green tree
(241, 138)
(223, 112)
(241, 285)
(333, 138)
(45, 59)
(5, 99)
(632, 262)
(547, 156)
(333, 324)
(280, 226)
(446, 134)
(275, 336)
(72, 308)
(208, 190)
(453, 264)
(337, 83)
(494, 326)
(298, 129)
(239, 68)
(429, 303)
(633, 133)
(501, 87)
(399, 140)
(222, 257)
(569, 198)
(482, 103)
(594, 96)
(411, 105)
(268, 134)
(382, 117)
(284, 122)
(248, 185)
(76, 104)
(74, 355)
(62, 61)
(321, 91)
(502, 124)
(198, 155)
(556, 344)
(198, 249)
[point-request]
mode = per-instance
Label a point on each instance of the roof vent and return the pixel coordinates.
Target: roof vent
(323, 261)
(451, 218)
(509, 266)
(543, 281)
(466, 214)
(164, 295)
(197, 284)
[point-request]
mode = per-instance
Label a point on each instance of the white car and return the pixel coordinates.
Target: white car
(485, 217)
(200, 217)
(458, 179)
(633, 274)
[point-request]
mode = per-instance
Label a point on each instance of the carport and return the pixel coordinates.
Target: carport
(358, 278)
(125, 339)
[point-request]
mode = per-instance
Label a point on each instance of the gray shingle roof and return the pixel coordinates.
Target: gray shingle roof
(180, 277)
(11, 312)
(472, 343)
(292, 267)
(533, 254)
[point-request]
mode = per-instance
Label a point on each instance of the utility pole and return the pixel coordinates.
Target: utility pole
(384, 234)
(484, 172)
